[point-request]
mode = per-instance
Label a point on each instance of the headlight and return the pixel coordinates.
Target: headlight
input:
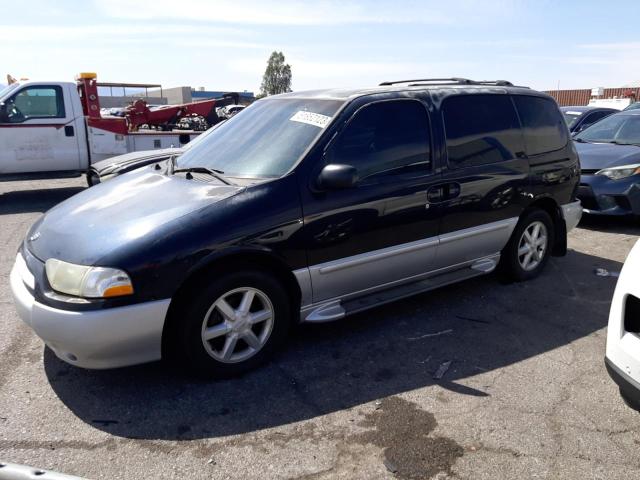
(617, 173)
(88, 282)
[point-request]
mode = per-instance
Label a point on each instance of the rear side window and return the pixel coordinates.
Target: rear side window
(481, 129)
(543, 126)
(594, 117)
(386, 138)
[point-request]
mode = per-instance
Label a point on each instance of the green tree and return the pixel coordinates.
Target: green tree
(277, 76)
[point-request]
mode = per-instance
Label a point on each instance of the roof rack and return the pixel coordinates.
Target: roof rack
(449, 81)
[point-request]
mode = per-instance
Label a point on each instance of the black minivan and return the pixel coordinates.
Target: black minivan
(307, 206)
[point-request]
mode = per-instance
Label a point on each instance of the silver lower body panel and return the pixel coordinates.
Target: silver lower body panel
(329, 289)
(108, 338)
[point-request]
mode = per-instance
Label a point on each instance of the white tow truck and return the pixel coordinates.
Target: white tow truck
(55, 129)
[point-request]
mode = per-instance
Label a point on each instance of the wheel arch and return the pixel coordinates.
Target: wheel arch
(549, 205)
(236, 259)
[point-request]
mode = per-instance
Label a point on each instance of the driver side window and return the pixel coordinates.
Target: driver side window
(34, 102)
(384, 139)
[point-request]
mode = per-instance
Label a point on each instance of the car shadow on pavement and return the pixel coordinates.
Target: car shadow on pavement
(611, 224)
(480, 325)
(36, 200)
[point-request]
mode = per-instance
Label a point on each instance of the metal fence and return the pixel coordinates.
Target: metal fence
(582, 97)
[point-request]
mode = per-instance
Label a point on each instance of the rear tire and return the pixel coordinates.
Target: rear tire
(233, 325)
(529, 247)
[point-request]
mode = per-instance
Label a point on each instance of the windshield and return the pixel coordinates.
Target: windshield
(571, 117)
(617, 128)
(633, 106)
(200, 137)
(264, 140)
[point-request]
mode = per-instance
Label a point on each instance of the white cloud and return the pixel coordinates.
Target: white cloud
(304, 13)
(113, 32)
(615, 47)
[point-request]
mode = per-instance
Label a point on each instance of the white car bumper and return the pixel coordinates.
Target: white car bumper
(108, 338)
(623, 333)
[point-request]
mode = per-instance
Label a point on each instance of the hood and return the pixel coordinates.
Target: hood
(104, 218)
(110, 165)
(595, 156)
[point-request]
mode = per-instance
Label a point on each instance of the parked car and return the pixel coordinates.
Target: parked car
(623, 333)
(610, 158)
(230, 110)
(112, 167)
(308, 206)
(580, 117)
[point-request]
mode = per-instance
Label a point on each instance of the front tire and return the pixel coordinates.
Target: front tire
(234, 324)
(529, 247)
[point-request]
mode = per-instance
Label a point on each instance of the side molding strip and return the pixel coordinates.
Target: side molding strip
(303, 275)
(376, 255)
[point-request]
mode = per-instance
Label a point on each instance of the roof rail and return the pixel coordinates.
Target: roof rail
(449, 81)
(452, 80)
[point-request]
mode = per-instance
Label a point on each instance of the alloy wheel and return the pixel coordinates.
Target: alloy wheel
(237, 325)
(532, 246)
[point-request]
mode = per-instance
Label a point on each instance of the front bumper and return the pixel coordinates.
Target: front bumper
(107, 338)
(622, 356)
(602, 196)
(629, 388)
(572, 213)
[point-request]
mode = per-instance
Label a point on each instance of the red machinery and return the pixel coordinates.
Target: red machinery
(138, 114)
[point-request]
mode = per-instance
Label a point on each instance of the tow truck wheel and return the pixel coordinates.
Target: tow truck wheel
(92, 178)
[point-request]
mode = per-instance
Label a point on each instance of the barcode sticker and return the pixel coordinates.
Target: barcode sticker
(310, 118)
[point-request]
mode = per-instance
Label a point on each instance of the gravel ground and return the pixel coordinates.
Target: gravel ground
(526, 394)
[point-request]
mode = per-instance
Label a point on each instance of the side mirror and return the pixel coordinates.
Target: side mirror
(337, 176)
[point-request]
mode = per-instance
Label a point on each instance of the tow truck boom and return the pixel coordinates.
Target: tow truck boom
(139, 114)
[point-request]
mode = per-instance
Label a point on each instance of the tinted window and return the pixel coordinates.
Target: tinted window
(594, 117)
(481, 129)
(544, 128)
(35, 102)
(385, 138)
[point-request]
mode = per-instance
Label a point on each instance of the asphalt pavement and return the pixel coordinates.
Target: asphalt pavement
(479, 380)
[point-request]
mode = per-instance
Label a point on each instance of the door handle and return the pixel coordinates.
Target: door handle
(444, 192)
(68, 131)
(435, 194)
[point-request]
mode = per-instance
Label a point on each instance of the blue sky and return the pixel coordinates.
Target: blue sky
(224, 44)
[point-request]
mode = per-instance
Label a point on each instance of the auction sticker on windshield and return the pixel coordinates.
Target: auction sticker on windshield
(310, 118)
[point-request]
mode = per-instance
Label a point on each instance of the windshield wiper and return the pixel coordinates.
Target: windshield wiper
(615, 142)
(209, 171)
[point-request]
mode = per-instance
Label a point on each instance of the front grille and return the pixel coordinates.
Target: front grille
(623, 202)
(632, 314)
